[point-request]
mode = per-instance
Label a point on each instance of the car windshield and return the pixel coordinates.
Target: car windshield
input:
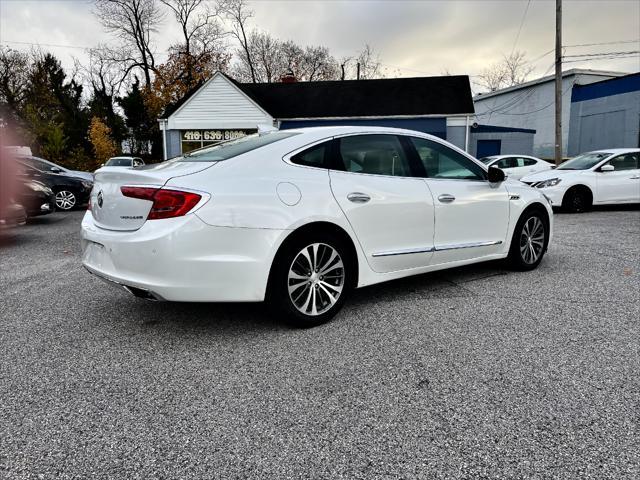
(233, 148)
(584, 161)
(118, 162)
(487, 160)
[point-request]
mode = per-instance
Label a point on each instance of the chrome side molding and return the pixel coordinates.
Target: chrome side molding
(439, 248)
(406, 251)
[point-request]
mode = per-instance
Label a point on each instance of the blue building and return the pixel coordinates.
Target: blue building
(223, 108)
(605, 115)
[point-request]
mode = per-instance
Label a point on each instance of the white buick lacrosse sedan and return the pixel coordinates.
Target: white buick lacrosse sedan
(300, 217)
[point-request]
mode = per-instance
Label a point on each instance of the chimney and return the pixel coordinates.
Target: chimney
(288, 77)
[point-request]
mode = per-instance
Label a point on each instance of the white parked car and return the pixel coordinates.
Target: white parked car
(596, 178)
(517, 166)
(123, 162)
(300, 217)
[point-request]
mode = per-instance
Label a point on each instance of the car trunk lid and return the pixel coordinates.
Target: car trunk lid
(111, 210)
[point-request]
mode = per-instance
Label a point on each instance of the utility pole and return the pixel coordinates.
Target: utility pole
(558, 150)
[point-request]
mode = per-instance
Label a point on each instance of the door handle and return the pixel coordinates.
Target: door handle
(446, 198)
(357, 197)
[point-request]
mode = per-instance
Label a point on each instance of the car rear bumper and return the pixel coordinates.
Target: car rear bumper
(182, 259)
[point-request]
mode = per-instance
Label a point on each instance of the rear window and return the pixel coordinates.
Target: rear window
(233, 148)
(118, 162)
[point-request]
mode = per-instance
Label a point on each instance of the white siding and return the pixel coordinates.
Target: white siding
(218, 104)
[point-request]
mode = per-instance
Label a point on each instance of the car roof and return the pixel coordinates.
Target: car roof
(614, 151)
(498, 157)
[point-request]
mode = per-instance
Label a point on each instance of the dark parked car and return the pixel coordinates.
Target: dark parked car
(35, 197)
(11, 215)
(69, 191)
(50, 167)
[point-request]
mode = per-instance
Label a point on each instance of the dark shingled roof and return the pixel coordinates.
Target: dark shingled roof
(446, 95)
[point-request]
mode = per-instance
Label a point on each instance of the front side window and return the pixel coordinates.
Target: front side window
(374, 155)
(440, 161)
(628, 161)
(312, 157)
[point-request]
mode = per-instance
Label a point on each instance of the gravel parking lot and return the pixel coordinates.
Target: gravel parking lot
(471, 373)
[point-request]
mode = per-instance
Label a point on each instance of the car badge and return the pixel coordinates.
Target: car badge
(100, 199)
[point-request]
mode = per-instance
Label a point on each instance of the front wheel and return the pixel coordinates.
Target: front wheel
(576, 201)
(65, 200)
(529, 242)
(310, 280)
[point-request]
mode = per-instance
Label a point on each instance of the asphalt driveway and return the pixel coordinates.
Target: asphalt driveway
(471, 373)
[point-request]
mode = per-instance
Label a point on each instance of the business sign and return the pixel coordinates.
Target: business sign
(213, 135)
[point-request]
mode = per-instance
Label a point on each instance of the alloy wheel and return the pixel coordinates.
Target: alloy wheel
(532, 240)
(316, 279)
(65, 200)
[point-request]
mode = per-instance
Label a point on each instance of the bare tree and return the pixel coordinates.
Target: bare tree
(369, 61)
(202, 35)
(104, 71)
(134, 22)
(511, 70)
(517, 69)
(310, 63)
(237, 11)
(365, 65)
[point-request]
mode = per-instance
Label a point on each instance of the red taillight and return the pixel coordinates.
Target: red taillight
(166, 203)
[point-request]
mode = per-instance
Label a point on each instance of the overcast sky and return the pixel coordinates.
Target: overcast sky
(414, 38)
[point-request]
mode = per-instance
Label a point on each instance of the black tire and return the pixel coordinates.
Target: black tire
(576, 200)
(291, 261)
(66, 200)
(526, 236)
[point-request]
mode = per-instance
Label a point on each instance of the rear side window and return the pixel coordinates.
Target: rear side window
(227, 150)
(312, 157)
(528, 162)
(373, 155)
(440, 161)
(508, 162)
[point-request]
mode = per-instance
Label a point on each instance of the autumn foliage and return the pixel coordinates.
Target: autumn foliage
(103, 145)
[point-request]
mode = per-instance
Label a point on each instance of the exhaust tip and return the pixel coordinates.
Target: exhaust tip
(142, 293)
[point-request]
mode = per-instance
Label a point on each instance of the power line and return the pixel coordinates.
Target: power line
(524, 16)
(46, 44)
(601, 54)
(601, 58)
(617, 42)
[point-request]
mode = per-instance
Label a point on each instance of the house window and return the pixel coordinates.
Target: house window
(192, 139)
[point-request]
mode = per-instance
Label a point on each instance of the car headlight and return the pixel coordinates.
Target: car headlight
(552, 182)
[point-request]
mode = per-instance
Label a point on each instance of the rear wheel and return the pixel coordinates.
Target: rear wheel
(310, 280)
(530, 240)
(65, 199)
(576, 200)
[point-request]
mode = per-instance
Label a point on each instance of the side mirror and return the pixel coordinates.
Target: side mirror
(55, 170)
(495, 175)
(607, 168)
